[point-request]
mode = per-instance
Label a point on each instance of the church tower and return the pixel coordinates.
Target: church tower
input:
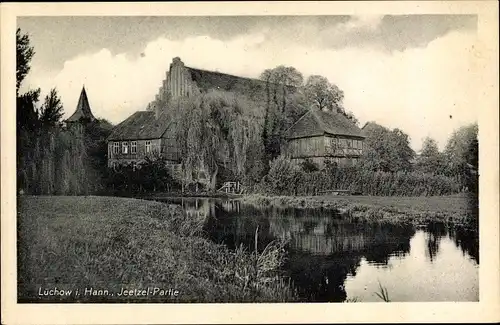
(83, 112)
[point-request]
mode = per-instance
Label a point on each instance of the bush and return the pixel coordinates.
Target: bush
(152, 174)
(286, 178)
(282, 177)
(309, 166)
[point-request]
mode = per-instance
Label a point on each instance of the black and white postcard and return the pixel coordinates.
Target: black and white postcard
(250, 162)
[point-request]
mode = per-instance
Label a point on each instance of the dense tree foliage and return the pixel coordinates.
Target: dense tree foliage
(462, 156)
(430, 159)
(323, 94)
(53, 159)
(51, 111)
(24, 54)
(386, 150)
(215, 130)
(151, 175)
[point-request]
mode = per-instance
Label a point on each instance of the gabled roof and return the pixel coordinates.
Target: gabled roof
(83, 110)
(216, 80)
(141, 125)
(316, 123)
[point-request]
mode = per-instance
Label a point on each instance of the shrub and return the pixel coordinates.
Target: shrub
(285, 178)
(309, 166)
(282, 178)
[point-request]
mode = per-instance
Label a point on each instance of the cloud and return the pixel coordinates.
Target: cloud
(416, 90)
(363, 21)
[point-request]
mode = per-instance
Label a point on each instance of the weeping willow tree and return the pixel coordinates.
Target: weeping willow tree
(215, 130)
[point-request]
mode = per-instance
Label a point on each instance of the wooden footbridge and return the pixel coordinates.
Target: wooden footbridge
(231, 187)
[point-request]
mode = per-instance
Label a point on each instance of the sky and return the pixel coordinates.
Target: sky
(412, 72)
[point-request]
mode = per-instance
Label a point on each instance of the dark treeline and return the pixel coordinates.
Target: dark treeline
(53, 158)
(151, 175)
(231, 136)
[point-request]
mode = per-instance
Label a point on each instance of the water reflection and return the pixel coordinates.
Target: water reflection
(331, 258)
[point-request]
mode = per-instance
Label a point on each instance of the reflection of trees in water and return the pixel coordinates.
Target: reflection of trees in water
(433, 235)
(321, 279)
(465, 239)
(323, 247)
(237, 226)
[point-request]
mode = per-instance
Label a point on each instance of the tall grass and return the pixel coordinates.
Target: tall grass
(114, 243)
(383, 293)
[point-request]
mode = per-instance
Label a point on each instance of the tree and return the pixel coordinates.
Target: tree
(386, 150)
(461, 154)
(284, 105)
(51, 110)
(430, 159)
(282, 81)
(401, 154)
(322, 94)
(24, 54)
(462, 147)
(213, 132)
(27, 117)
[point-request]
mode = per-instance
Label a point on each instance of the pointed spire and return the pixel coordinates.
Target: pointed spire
(83, 110)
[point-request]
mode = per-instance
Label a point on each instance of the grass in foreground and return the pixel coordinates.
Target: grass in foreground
(454, 210)
(108, 243)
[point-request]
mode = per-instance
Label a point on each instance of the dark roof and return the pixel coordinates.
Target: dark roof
(216, 80)
(140, 126)
(82, 109)
(317, 123)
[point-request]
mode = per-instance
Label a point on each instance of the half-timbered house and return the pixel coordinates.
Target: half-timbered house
(320, 136)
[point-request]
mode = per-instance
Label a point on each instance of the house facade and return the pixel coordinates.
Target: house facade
(319, 136)
(140, 135)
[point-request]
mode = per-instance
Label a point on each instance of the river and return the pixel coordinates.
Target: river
(331, 259)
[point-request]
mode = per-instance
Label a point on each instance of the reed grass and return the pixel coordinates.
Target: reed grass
(114, 243)
(383, 293)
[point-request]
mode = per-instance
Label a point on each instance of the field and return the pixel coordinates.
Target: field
(455, 210)
(91, 249)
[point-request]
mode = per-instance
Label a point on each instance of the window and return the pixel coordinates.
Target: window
(133, 147)
(124, 147)
(349, 143)
(116, 147)
(355, 144)
(148, 146)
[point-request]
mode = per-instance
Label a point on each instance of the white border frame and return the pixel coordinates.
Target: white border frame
(488, 309)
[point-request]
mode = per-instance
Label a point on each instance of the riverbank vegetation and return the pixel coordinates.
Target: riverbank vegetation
(460, 209)
(110, 243)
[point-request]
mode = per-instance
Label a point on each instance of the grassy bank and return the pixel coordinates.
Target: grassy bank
(453, 210)
(102, 245)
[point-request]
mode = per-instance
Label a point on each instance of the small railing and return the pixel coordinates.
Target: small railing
(231, 187)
